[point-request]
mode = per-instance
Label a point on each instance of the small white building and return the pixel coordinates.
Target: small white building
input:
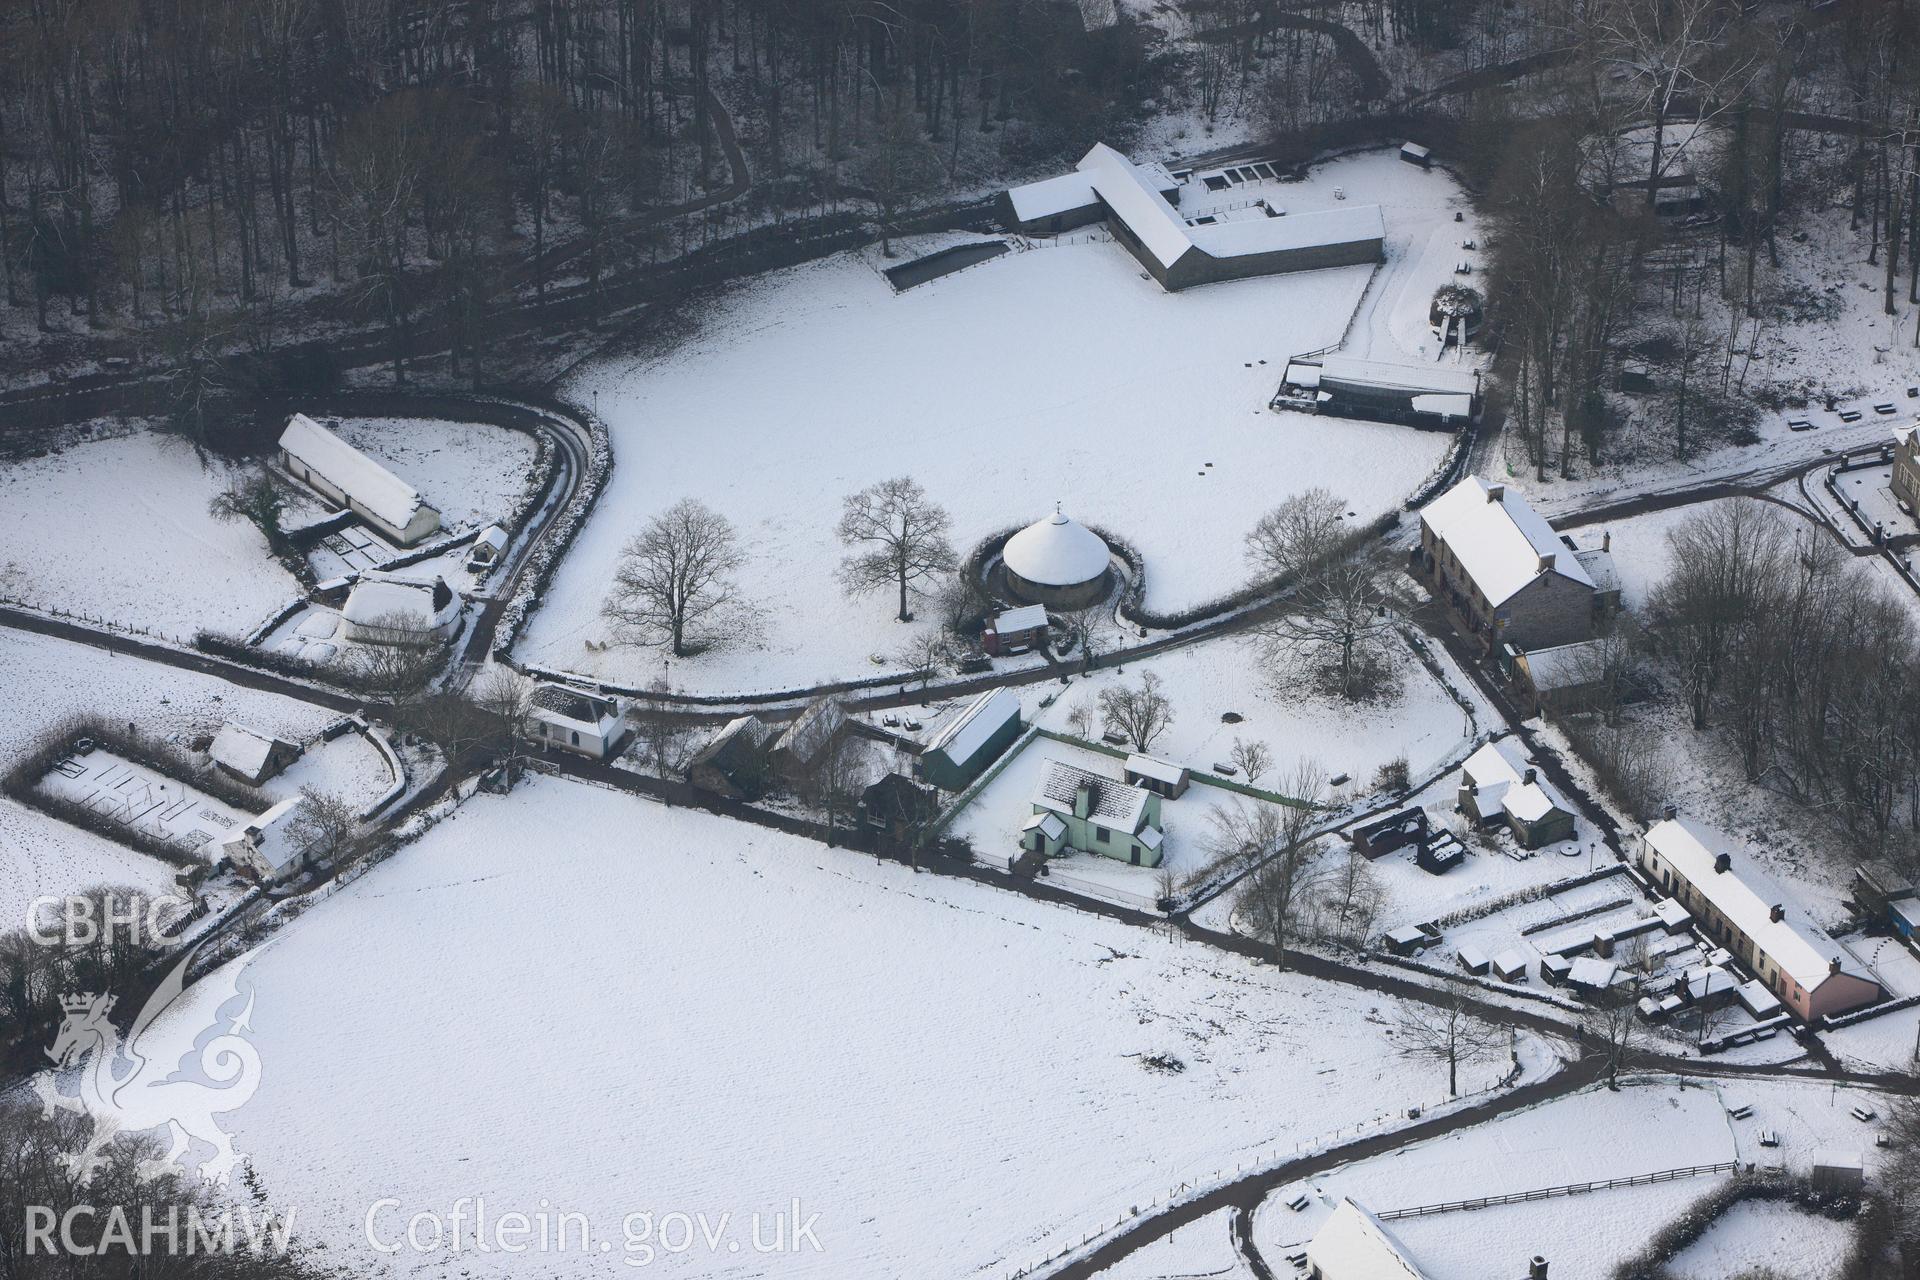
(387, 608)
(265, 844)
(342, 474)
(1496, 783)
(584, 723)
(249, 755)
(487, 548)
(1355, 1245)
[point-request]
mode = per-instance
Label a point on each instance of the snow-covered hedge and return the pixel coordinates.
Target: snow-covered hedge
(538, 571)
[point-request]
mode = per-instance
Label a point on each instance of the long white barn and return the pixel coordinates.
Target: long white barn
(341, 473)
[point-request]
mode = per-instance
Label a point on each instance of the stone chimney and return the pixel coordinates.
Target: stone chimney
(1496, 493)
(1721, 861)
(1777, 914)
(1530, 775)
(1833, 965)
(1606, 539)
(1546, 562)
(1537, 1268)
(1083, 800)
(1670, 812)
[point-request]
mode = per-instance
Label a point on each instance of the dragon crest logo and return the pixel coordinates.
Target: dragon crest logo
(123, 1088)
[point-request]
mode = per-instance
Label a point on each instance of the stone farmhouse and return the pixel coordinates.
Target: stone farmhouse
(1507, 576)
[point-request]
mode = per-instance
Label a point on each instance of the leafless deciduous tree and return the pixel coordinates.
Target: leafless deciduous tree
(1333, 632)
(1350, 898)
(897, 538)
(1140, 711)
(1299, 537)
(834, 776)
(400, 669)
(326, 828)
(1446, 1033)
(1611, 1028)
(675, 582)
(1277, 842)
(1251, 757)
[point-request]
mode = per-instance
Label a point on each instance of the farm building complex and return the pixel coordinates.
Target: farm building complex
(1137, 203)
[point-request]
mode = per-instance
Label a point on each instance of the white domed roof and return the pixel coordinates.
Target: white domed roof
(1056, 552)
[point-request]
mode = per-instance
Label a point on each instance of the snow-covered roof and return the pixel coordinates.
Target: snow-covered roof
(1444, 404)
(557, 704)
(1114, 803)
(1499, 540)
(1158, 770)
(264, 842)
(243, 750)
(961, 738)
(1598, 562)
(813, 729)
(1056, 552)
(1588, 971)
(377, 597)
(1565, 665)
(493, 536)
(1414, 149)
(385, 494)
(1027, 617)
(1131, 197)
(1746, 896)
(1070, 191)
(1048, 824)
(1355, 1245)
(1243, 236)
(1499, 775)
(1417, 378)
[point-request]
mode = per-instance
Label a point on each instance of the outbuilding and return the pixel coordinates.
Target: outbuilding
(733, 763)
(1415, 154)
(268, 844)
(249, 755)
(487, 548)
(1157, 776)
(1016, 630)
(1497, 784)
(962, 747)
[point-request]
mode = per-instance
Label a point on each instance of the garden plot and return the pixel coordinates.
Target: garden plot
(1058, 374)
(741, 1018)
(473, 473)
(1206, 683)
(1590, 1136)
(118, 529)
(141, 800)
(50, 680)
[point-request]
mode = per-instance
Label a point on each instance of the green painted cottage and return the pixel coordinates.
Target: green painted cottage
(1079, 811)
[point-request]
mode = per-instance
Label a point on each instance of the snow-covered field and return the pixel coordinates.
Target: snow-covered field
(1203, 1248)
(1059, 374)
(1593, 1135)
(1755, 1234)
(653, 1009)
(472, 472)
(48, 680)
(119, 529)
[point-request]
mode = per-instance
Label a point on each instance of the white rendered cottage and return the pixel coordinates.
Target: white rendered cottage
(583, 723)
(342, 474)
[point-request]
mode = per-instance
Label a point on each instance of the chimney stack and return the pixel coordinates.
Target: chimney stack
(1546, 563)
(1606, 539)
(1833, 965)
(1530, 775)
(1496, 493)
(1670, 812)
(1778, 913)
(1721, 861)
(1537, 1268)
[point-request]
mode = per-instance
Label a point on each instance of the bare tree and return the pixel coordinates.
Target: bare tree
(1251, 757)
(1139, 711)
(676, 579)
(1080, 719)
(1446, 1033)
(1350, 902)
(1334, 634)
(1611, 1027)
(326, 828)
(899, 163)
(1300, 537)
(663, 741)
(835, 774)
(897, 537)
(1276, 841)
(401, 667)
